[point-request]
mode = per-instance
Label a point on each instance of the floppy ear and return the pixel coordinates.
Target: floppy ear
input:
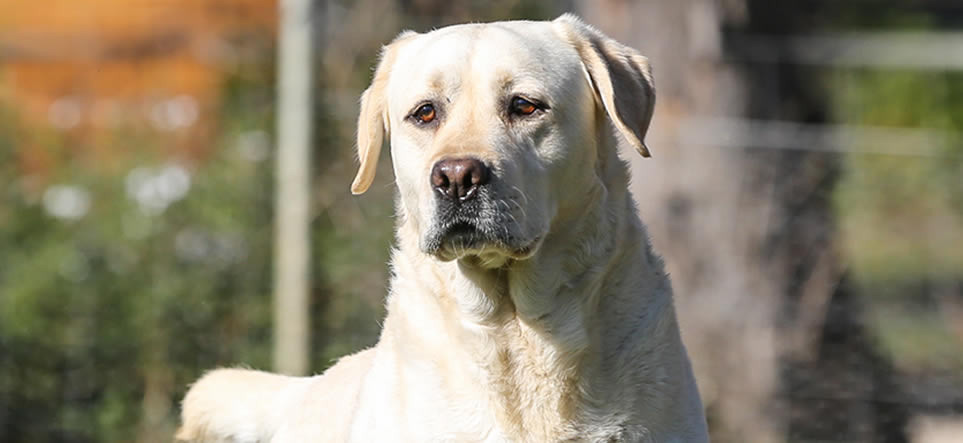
(620, 76)
(373, 121)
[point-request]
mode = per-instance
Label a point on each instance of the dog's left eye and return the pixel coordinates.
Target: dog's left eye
(520, 106)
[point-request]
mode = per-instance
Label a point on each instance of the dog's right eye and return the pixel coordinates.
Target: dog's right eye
(424, 114)
(520, 106)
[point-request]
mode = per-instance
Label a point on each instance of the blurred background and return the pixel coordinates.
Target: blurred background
(806, 191)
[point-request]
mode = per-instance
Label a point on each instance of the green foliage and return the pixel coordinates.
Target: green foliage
(101, 313)
(107, 317)
(900, 213)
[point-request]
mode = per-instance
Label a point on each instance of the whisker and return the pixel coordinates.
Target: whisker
(520, 208)
(525, 197)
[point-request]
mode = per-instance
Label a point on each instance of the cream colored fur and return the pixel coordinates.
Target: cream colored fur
(565, 333)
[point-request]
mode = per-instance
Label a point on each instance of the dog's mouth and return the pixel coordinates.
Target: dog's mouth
(493, 247)
(463, 235)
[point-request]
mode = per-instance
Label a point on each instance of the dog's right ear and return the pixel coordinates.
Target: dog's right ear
(373, 124)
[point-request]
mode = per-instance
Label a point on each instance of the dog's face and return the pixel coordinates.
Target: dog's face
(481, 127)
(493, 129)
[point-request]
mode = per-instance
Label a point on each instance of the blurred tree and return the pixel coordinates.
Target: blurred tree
(837, 386)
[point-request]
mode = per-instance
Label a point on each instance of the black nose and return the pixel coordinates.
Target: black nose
(458, 179)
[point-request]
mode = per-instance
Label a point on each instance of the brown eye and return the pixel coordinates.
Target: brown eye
(520, 106)
(425, 113)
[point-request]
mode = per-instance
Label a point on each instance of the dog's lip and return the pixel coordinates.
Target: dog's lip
(528, 250)
(458, 238)
(465, 239)
(460, 229)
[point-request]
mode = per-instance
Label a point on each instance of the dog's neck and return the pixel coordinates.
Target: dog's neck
(530, 330)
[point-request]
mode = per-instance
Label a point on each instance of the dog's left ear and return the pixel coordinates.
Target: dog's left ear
(373, 121)
(620, 76)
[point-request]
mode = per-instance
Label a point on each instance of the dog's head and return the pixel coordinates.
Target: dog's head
(495, 129)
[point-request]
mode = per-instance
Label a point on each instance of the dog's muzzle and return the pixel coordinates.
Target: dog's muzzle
(461, 198)
(469, 218)
(464, 217)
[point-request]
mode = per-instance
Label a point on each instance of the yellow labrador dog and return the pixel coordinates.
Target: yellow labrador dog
(526, 304)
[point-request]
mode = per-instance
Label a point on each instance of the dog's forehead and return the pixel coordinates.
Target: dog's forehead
(522, 52)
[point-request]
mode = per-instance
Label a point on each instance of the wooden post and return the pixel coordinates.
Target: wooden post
(292, 240)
